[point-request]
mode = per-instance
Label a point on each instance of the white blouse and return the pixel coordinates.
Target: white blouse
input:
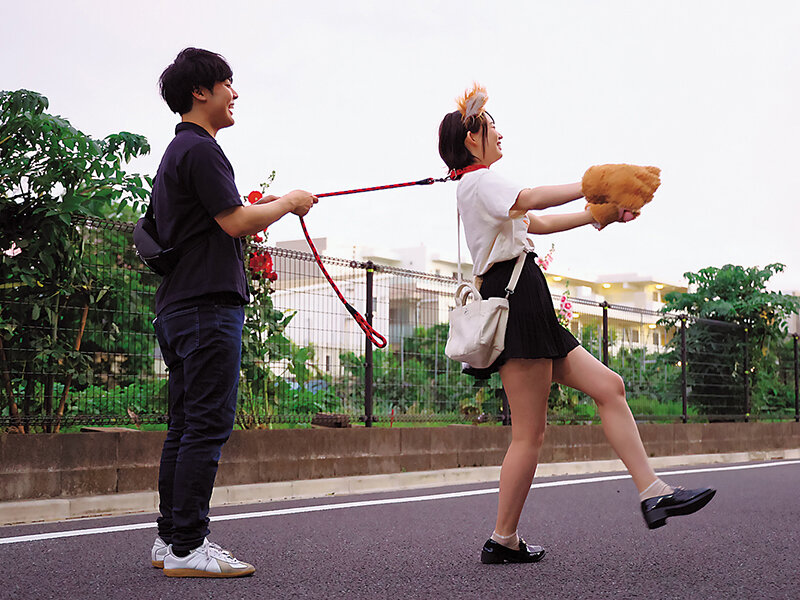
(493, 233)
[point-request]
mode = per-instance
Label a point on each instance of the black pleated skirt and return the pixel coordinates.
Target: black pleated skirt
(533, 329)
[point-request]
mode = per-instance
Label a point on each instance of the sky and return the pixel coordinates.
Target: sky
(346, 94)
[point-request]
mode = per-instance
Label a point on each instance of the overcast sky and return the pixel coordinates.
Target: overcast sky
(336, 95)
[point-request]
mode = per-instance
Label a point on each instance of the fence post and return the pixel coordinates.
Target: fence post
(746, 377)
(605, 306)
(368, 416)
(684, 391)
(436, 361)
(505, 410)
(796, 382)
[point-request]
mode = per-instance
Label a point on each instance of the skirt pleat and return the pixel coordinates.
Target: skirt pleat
(533, 329)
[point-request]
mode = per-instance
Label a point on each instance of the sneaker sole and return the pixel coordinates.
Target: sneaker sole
(158, 564)
(659, 518)
(197, 573)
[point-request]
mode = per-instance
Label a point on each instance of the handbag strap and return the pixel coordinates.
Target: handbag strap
(458, 218)
(516, 273)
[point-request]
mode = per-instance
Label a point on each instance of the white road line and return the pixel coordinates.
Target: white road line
(364, 503)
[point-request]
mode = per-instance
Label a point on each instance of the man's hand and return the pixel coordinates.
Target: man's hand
(301, 201)
(239, 221)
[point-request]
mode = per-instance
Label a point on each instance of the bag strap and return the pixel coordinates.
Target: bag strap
(458, 218)
(150, 216)
(516, 273)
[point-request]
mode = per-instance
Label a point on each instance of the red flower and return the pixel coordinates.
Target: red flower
(257, 263)
(267, 262)
(261, 262)
(254, 196)
(257, 238)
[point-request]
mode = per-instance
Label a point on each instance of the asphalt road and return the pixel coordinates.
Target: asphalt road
(421, 544)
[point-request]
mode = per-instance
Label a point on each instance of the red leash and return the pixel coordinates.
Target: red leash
(376, 338)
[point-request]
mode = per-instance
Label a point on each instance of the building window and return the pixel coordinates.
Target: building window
(656, 338)
(635, 336)
(328, 362)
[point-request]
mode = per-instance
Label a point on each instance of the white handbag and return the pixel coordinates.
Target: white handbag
(478, 327)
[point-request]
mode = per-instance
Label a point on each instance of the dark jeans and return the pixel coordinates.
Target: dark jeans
(201, 346)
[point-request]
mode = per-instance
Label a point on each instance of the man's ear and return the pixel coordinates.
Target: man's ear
(200, 94)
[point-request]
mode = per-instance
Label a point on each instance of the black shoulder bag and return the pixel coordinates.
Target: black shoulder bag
(160, 260)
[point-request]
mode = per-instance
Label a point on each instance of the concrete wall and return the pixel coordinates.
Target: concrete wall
(82, 464)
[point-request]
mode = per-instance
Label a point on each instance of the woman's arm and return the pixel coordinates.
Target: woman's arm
(547, 196)
(556, 223)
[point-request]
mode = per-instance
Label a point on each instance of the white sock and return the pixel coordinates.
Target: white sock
(509, 541)
(657, 488)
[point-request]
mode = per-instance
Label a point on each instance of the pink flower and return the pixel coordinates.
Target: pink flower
(568, 305)
(13, 251)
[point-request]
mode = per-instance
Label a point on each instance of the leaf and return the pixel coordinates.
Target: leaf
(47, 259)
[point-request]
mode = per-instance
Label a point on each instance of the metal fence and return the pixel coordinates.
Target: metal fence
(94, 360)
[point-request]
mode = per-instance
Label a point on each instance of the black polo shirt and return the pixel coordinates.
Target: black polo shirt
(194, 183)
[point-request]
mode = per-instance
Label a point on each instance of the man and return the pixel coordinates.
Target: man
(200, 306)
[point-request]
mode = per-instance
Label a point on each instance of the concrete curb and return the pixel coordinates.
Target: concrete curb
(60, 509)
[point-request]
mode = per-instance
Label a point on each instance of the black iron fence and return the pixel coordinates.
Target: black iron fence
(92, 358)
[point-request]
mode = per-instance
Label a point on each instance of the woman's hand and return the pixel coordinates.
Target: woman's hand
(603, 215)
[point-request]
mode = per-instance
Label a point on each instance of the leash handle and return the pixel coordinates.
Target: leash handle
(376, 338)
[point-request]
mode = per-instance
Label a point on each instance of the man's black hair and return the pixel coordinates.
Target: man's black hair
(193, 68)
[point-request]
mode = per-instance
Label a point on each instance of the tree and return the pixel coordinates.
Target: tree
(735, 321)
(50, 173)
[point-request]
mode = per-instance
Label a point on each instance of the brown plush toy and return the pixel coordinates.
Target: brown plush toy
(618, 192)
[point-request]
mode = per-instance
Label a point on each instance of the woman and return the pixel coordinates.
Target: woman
(498, 216)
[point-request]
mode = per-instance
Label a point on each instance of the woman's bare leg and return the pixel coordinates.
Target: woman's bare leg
(527, 385)
(582, 371)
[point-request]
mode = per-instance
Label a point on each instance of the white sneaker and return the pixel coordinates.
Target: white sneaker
(158, 552)
(208, 560)
(160, 549)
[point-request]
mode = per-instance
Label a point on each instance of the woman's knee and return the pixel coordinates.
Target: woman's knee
(532, 436)
(613, 389)
(619, 385)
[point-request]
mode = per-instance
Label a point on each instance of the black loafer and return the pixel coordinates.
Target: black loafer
(680, 502)
(497, 554)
